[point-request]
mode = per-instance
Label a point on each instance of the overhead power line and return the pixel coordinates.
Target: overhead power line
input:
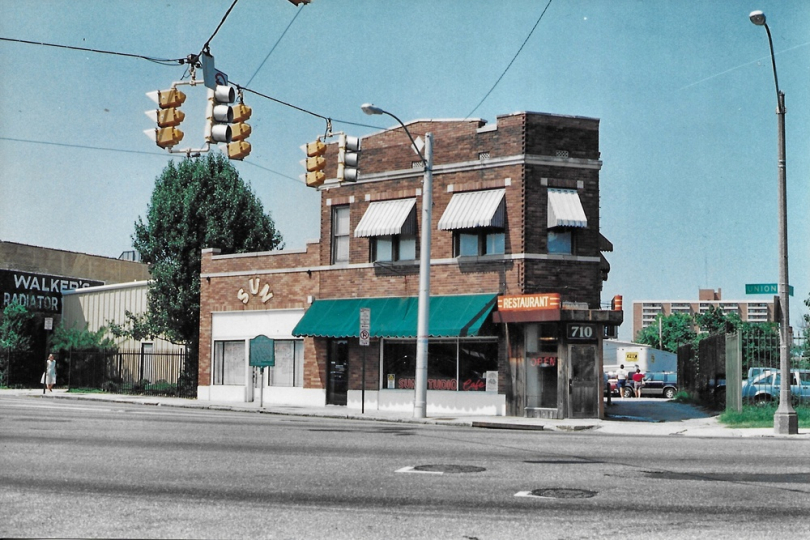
(165, 61)
(511, 61)
(207, 43)
(161, 154)
(297, 12)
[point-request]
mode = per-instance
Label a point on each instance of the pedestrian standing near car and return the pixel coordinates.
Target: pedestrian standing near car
(50, 372)
(638, 382)
(621, 380)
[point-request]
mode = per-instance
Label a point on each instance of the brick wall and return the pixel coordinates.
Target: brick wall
(513, 138)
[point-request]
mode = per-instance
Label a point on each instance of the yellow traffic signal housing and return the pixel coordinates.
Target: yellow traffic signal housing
(167, 137)
(167, 99)
(241, 112)
(316, 148)
(315, 163)
(315, 179)
(169, 117)
(238, 150)
(240, 132)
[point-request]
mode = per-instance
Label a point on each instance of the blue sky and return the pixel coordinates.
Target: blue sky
(684, 91)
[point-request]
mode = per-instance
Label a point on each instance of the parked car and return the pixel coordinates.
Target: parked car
(656, 383)
(765, 388)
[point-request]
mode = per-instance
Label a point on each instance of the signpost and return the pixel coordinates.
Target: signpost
(764, 288)
(262, 354)
(365, 328)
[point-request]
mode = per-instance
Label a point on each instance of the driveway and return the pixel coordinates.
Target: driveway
(652, 410)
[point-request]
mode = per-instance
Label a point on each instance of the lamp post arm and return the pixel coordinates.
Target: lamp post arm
(780, 103)
(408, 133)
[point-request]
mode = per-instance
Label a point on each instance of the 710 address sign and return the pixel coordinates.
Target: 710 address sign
(581, 331)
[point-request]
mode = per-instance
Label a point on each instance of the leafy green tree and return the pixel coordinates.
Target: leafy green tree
(716, 320)
(803, 348)
(676, 330)
(80, 339)
(15, 328)
(15, 335)
(196, 204)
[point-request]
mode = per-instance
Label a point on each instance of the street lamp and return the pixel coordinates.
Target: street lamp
(785, 420)
(420, 386)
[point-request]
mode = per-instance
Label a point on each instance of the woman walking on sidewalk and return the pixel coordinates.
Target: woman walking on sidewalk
(50, 372)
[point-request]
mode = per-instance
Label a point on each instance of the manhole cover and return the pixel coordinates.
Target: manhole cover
(563, 493)
(449, 469)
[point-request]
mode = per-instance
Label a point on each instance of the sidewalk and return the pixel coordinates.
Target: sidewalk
(645, 416)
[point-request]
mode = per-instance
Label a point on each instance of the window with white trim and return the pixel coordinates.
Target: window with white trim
(228, 367)
(396, 247)
(340, 234)
(475, 242)
(289, 368)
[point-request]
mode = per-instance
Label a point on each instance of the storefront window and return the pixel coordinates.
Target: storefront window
(458, 365)
(541, 365)
(229, 363)
(289, 368)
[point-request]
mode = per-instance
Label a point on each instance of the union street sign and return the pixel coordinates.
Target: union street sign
(764, 288)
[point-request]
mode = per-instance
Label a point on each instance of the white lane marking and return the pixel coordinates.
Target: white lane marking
(413, 470)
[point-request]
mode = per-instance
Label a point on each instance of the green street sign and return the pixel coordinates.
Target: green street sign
(765, 288)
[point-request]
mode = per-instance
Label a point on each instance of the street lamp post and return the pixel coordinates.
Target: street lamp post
(785, 420)
(422, 334)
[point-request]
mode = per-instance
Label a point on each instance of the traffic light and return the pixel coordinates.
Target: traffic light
(315, 163)
(240, 148)
(348, 152)
(220, 114)
(167, 117)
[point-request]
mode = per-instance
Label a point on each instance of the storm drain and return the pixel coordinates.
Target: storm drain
(558, 493)
(442, 469)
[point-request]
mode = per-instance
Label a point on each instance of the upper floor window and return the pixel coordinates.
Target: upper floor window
(393, 248)
(477, 219)
(391, 229)
(472, 243)
(561, 241)
(565, 215)
(340, 234)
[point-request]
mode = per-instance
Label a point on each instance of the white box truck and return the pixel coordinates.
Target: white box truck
(633, 355)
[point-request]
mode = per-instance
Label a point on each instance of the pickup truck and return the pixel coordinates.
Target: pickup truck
(765, 387)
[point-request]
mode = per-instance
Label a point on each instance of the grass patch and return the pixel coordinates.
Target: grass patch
(761, 416)
(685, 397)
(85, 391)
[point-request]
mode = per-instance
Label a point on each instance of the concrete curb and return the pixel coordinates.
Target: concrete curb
(683, 420)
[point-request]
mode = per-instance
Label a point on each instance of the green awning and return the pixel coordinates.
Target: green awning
(450, 316)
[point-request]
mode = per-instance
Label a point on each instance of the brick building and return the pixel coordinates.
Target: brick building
(37, 277)
(646, 312)
(516, 276)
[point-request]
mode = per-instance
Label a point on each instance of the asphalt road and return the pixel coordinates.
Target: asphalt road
(108, 470)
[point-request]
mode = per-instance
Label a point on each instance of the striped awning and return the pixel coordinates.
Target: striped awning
(474, 209)
(565, 209)
(386, 218)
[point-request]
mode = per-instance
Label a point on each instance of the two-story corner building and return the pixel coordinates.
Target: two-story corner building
(516, 273)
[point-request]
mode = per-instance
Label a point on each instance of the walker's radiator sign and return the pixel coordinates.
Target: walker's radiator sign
(38, 292)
